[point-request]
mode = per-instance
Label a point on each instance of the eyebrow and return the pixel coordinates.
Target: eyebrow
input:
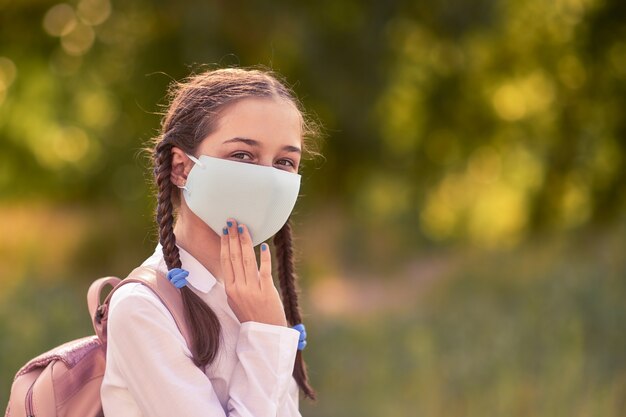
(257, 144)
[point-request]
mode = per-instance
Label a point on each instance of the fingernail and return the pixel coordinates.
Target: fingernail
(225, 230)
(230, 224)
(264, 246)
(240, 229)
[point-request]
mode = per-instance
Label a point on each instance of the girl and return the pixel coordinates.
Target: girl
(226, 170)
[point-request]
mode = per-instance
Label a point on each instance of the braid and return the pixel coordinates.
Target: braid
(203, 324)
(289, 292)
(165, 208)
(284, 253)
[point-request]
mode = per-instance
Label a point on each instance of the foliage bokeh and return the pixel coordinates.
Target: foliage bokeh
(472, 189)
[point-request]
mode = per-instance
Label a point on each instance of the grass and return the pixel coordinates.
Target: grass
(537, 331)
(533, 331)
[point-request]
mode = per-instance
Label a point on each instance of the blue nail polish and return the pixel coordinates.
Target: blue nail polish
(264, 246)
(240, 229)
(230, 224)
(225, 230)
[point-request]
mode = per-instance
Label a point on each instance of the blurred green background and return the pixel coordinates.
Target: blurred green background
(461, 244)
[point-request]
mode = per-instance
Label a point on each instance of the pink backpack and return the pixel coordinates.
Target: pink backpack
(66, 380)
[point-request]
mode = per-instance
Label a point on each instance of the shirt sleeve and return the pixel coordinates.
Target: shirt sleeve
(263, 376)
(289, 406)
(163, 380)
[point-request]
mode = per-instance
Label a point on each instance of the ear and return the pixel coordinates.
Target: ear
(181, 165)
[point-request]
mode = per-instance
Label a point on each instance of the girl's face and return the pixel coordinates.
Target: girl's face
(260, 131)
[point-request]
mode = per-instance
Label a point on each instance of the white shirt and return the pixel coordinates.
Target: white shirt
(149, 371)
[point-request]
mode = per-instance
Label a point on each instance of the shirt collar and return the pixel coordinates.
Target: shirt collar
(199, 277)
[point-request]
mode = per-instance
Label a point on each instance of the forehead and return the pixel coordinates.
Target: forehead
(269, 120)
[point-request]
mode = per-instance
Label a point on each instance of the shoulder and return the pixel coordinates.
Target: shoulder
(137, 316)
(134, 307)
(134, 294)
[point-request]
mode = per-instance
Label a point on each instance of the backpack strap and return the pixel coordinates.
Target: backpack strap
(95, 291)
(155, 280)
(97, 311)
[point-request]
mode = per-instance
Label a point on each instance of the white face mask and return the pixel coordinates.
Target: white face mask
(258, 196)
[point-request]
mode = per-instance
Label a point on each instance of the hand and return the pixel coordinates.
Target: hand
(251, 291)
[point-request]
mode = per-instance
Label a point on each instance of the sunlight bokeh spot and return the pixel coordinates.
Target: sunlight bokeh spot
(489, 213)
(521, 97)
(485, 164)
(59, 20)
(70, 144)
(94, 12)
(385, 196)
(509, 103)
(498, 216)
(79, 40)
(574, 7)
(8, 72)
(523, 168)
(96, 109)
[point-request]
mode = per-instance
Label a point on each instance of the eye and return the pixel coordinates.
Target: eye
(289, 163)
(242, 156)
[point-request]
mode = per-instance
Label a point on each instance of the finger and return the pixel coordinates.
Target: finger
(227, 267)
(235, 253)
(265, 272)
(247, 252)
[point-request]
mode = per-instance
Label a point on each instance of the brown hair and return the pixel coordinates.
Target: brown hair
(193, 112)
